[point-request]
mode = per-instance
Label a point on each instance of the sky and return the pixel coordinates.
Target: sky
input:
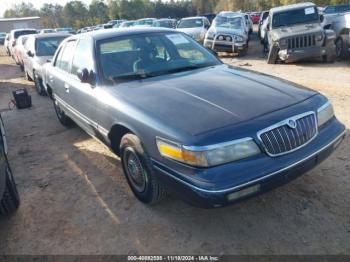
(6, 4)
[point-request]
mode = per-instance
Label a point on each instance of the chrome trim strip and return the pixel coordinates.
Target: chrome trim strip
(283, 123)
(260, 178)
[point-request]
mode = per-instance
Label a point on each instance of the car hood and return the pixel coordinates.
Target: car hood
(291, 31)
(210, 98)
(191, 31)
(222, 30)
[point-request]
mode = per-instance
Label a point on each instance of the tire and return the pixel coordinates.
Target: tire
(138, 171)
(10, 200)
(339, 47)
(273, 54)
(39, 86)
(62, 117)
(26, 75)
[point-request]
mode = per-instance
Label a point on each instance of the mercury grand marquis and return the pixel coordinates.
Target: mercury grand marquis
(182, 121)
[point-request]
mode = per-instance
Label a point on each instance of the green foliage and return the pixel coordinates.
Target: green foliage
(76, 14)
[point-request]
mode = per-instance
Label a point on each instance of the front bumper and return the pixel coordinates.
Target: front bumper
(299, 54)
(252, 178)
(224, 46)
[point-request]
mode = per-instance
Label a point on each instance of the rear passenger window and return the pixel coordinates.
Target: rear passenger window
(65, 56)
(82, 57)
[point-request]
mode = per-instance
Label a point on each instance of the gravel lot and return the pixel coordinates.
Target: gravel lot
(75, 199)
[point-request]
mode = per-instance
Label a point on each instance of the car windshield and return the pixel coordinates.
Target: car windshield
(337, 9)
(142, 56)
(47, 46)
(191, 23)
(296, 16)
(144, 22)
(229, 22)
(24, 32)
(163, 23)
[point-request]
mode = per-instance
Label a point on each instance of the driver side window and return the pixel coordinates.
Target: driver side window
(65, 56)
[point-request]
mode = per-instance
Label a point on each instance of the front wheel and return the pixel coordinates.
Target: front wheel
(10, 200)
(61, 115)
(273, 54)
(138, 171)
(339, 47)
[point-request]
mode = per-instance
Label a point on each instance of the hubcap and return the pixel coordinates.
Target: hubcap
(135, 171)
(58, 109)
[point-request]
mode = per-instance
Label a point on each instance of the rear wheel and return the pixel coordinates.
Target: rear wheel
(138, 171)
(39, 85)
(10, 200)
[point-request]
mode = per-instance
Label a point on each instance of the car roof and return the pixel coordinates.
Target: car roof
(50, 35)
(194, 17)
(111, 33)
(23, 29)
(293, 6)
(231, 14)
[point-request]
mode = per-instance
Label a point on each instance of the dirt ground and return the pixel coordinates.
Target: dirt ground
(75, 199)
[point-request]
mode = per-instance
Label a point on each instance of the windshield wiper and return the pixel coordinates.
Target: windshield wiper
(177, 70)
(125, 78)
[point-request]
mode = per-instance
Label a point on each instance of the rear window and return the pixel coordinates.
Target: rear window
(24, 32)
(47, 46)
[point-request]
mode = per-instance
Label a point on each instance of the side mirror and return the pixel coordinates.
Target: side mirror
(30, 53)
(268, 27)
(84, 76)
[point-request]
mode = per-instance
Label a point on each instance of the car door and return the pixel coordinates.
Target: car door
(59, 74)
(28, 60)
(81, 95)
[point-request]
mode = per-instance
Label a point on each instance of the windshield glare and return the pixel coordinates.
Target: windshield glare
(297, 16)
(143, 56)
(229, 22)
(47, 46)
(190, 23)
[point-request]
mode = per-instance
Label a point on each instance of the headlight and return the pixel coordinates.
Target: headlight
(319, 37)
(283, 42)
(209, 155)
(238, 38)
(325, 113)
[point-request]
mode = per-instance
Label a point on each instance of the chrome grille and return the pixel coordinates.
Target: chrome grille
(281, 139)
(302, 41)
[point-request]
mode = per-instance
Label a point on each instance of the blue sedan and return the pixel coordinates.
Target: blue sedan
(182, 121)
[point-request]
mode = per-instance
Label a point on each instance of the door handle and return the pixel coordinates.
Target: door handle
(67, 87)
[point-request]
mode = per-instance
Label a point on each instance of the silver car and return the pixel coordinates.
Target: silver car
(195, 27)
(228, 33)
(39, 49)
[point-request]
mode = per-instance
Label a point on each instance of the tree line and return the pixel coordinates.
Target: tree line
(77, 14)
